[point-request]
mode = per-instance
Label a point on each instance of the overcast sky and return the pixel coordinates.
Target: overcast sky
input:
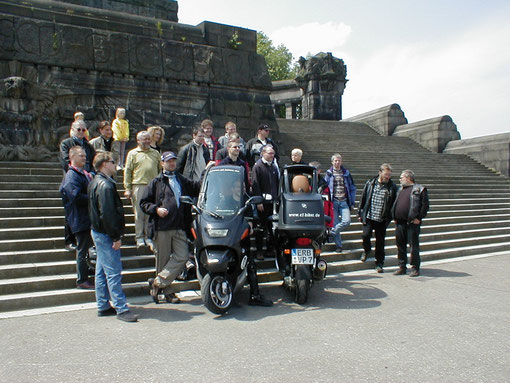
(432, 57)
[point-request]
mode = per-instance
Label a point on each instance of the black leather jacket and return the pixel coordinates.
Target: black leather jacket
(158, 193)
(366, 200)
(419, 205)
(105, 207)
(67, 144)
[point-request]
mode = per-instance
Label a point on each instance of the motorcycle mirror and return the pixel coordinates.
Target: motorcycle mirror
(186, 199)
(255, 200)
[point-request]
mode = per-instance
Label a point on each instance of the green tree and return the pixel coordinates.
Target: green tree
(278, 59)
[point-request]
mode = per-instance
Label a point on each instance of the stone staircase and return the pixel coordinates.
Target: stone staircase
(470, 214)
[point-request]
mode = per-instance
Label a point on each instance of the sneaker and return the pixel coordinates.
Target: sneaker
(364, 257)
(400, 271)
(140, 242)
(70, 247)
(338, 250)
(149, 244)
(86, 285)
(106, 313)
(127, 316)
(259, 300)
(414, 272)
(154, 291)
(379, 269)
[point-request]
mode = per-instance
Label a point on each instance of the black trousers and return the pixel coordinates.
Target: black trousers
(408, 233)
(267, 228)
(251, 268)
(380, 236)
(83, 242)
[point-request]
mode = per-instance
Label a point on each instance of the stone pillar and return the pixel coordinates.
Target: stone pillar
(322, 79)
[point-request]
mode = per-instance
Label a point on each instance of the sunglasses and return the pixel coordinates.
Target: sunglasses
(80, 130)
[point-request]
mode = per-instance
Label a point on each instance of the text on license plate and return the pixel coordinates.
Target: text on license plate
(302, 256)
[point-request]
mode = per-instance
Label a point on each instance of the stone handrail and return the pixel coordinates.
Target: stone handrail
(384, 120)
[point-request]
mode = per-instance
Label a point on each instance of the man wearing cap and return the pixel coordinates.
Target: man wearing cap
(169, 222)
(142, 165)
(254, 145)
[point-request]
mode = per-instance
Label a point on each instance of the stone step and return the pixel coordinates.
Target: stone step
(349, 262)
(13, 276)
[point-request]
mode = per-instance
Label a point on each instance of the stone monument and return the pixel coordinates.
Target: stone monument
(59, 57)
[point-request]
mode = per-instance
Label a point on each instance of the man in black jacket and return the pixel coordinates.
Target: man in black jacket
(78, 129)
(408, 211)
(374, 212)
(265, 179)
(169, 222)
(254, 146)
(107, 219)
(193, 157)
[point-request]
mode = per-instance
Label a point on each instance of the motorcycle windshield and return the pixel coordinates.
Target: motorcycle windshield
(222, 191)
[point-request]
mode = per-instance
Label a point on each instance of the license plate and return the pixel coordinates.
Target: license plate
(302, 256)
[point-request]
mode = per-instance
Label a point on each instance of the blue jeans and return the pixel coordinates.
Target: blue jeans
(108, 275)
(342, 215)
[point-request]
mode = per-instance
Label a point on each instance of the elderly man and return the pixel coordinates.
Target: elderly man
(374, 212)
(75, 199)
(78, 129)
(193, 157)
(342, 192)
(142, 165)
(170, 222)
(265, 178)
(408, 211)
(107, 219)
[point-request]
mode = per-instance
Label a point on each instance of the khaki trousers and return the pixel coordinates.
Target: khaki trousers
(171, 250)
(141, 219)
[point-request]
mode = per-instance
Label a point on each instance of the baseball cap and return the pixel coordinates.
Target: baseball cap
(166, 156)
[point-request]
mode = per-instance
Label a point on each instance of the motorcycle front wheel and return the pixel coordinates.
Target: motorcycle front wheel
(217, 293)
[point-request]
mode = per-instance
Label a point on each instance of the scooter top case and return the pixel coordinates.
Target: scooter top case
(300, 206)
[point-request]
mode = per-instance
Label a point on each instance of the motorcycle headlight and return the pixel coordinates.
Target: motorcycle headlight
(217, 233)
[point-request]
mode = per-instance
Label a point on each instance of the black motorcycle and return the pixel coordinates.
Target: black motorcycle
(221, 231)
(300, 230)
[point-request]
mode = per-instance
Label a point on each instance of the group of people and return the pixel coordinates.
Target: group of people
(155, 181)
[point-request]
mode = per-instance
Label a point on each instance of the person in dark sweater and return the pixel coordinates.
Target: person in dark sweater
(410, 207)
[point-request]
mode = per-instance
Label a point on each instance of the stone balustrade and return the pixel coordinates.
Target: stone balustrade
(384, 120)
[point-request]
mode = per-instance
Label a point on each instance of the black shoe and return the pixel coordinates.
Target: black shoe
(379, 269)
(107, 313)
(259, 300)
(154, 291)
(172, 298)
(127, 316)
(364, 257)
(338, 250)
(414, 272)
(400, 271)
(260, 255)
(70, 247)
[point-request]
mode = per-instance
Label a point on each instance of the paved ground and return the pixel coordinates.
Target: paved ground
(450, 325)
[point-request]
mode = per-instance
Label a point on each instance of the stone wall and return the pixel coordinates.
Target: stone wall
(57, 58)
(493, 151)
(433, 133)
(384, 120)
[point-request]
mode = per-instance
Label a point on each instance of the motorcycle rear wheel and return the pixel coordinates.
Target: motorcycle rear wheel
(302, 288)
(217, 299)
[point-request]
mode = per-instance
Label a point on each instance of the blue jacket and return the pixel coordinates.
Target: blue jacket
(75, 198)
(350, 188)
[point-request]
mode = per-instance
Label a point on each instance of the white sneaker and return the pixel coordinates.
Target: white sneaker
(149, 244)
(140, 243)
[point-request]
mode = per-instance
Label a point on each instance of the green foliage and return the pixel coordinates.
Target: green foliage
(234, 42)
(278, 59)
